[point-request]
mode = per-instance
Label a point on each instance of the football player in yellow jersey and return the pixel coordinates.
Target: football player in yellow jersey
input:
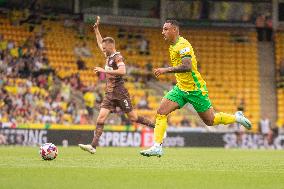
(190, 88)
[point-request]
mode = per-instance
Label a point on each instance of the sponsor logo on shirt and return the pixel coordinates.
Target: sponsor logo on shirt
(184, 50)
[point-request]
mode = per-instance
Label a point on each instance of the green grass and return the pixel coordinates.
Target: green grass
(21, 167)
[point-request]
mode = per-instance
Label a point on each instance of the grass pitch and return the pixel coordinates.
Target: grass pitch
(115, 168)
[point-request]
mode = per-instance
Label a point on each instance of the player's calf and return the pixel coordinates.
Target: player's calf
(145, 121)
(97, 135)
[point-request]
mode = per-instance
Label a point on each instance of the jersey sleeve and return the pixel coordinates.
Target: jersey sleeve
(184, 50)
(119, 60)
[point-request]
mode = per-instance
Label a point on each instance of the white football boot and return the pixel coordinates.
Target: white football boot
(155, 150)
(241, 119)
(89, 148)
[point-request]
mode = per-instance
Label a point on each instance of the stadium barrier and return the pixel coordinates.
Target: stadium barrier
(33, 137)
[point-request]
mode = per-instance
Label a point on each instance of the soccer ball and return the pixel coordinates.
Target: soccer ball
(48, 151)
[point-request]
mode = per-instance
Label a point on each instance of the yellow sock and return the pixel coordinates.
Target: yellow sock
(160, 128)
(223, 118)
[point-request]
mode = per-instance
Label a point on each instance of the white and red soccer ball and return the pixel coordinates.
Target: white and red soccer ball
(48, 151)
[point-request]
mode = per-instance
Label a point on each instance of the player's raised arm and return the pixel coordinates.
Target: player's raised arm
(98, 34)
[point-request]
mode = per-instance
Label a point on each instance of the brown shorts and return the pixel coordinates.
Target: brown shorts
(117, 98)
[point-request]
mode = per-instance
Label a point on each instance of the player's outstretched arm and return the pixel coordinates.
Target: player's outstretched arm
(184, 67)
(97, 32)
(120, 71)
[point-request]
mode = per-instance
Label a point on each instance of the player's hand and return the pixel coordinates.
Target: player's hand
(159, 71)
(99, 69)
(95, 26)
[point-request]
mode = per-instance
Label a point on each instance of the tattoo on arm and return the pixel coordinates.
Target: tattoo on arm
(184, 67)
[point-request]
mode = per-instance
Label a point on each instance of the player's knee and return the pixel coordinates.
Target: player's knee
(209, 122)
(100, 121)
(133, 119)
(161, 112)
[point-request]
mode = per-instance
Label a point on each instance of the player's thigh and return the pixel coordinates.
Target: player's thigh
(108, 103)
(167, 106)
(200, 100)
(103, 114)
(173, 100)
(124, 102)
(207, 116)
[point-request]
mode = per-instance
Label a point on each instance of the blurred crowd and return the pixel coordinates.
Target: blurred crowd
(30, 91)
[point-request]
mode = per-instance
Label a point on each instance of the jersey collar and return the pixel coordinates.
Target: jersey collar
(176, 41)
(112, 55)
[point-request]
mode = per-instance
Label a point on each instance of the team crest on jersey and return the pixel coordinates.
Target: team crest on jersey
(184, 50)
(110, 62)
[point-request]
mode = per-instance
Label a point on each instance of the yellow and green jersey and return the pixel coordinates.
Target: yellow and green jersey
(188, 81)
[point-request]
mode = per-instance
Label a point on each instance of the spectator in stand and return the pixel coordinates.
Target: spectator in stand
(80, 64)
(50, 81)
(42, 81)
(3, 66)
(71, 108)
(3, 43)
(239, 131)
(10, 45)
(14, 50)
(65, 89)
(90, 99)
(241, 105)
(85, 51)
(77, 50)
(265, 129)
(83, 117)
(39, 42)
(143, 46)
